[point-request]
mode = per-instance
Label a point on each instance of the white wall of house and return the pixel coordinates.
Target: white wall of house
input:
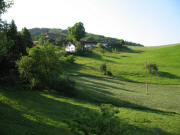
(70, 47)
(95, 45)
(90, 45)
(104, 44)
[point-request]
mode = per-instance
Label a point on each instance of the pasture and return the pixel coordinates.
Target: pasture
(47, 112)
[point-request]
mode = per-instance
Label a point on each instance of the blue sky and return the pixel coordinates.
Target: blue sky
(149, 22)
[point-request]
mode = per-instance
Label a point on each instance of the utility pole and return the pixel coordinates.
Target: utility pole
(146, 77)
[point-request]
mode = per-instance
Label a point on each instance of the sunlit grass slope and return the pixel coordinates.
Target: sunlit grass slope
(129, 64)
(161, 97)
(34, 113)
(25, 112)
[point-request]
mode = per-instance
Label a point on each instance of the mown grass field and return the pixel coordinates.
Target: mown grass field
(34, 112)
(161, 97)
(25, 112)
(129, 64)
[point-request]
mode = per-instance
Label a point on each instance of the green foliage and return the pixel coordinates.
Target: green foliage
(61, 42)
(42, 39)
(108, 123)
(109, 73)
(79, 48)
(70, 58)
(5, 44)
(76, 32)
(21, 41)
(26, 36)
(36, 32)
(152, 68)
(104, 123)
(41, 67)
(99, 45)
(103, 68)
(55, 31)
(4, 4)
(128, 43)
(13, 45)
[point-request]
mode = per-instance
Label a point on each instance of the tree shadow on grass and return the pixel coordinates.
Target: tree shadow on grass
(71, 67)
(15, 122)
(102, 87)
(129, 50)
(118, 58)
(99, 57)
(114, 57)
(167, 75)
(57, 110)
(101, 93)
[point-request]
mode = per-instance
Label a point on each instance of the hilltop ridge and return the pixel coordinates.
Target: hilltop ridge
(36, 32)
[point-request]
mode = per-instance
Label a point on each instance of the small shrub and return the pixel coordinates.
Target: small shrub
(70, 59)
(152, 68)
(99, 45)
(109, 73)
(63, 85)
(103, 68)
(104, 123)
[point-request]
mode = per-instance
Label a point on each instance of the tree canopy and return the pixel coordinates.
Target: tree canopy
(4, 5)
(76, 32)
(40, 66)
(13, 45)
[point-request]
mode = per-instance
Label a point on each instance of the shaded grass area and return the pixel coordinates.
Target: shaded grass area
(33, 112)
(162, 97)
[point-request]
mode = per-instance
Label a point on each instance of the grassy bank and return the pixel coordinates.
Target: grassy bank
(129, 64)
(33, 112)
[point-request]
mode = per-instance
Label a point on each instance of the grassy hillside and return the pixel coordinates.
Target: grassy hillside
(35, 33)
(33, 112)
(129, 64)
(27, 112)
(162, 97)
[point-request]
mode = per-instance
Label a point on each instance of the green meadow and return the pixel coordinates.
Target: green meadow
(26, 112)
(129, 64)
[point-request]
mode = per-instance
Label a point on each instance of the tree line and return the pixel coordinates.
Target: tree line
(112, 42)
(31, 66)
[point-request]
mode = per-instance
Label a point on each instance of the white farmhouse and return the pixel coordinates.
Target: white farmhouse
(70, 48)
(88, 44)
(104, 44)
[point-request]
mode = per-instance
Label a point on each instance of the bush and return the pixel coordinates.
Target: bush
(108, 123)
(109, 73)
(103, 68)
(104, 123)
(99, 45)
(152, 68)
(42, 68)
(64, 85)
(70, 58)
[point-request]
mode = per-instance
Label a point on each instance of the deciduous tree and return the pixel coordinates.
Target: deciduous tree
(76, 32)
